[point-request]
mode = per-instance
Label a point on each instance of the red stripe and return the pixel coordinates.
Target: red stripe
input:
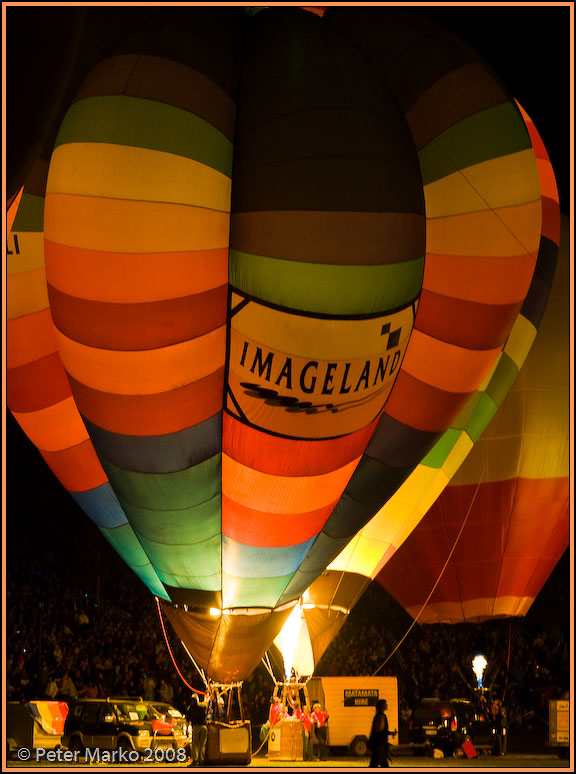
(37, 385)
(258, 528)
(138, 326)
(423, 407)
(270, 454)
(158, 414)
(465, 323)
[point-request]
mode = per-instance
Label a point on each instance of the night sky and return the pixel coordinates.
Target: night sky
(528, 46)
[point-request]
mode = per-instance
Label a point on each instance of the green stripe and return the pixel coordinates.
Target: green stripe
(327, 288)
(439, 453)
(143, 123)
(190, 525)
(253, 592)
(126, 544)
(204, 583)
(195, 566)
(503, 378)
(166, 491)
(30, 215)
(481, 417)
(489, 134)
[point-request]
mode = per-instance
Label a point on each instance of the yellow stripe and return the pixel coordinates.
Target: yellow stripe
(399, 516)
(26, 293)
(520, 340)
(507, 231)
(141, 174)
(458, 454)
(365, 556)
(31, 255)
(128, 226)
(147, 372)
(481, 186)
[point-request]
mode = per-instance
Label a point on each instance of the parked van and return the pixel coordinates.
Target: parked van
(351, 705)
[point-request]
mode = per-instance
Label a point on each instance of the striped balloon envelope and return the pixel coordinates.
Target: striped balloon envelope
(238, 221)
(37, 389)
(489, 543)
(329, 599)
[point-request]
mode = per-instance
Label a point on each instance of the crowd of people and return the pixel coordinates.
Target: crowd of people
(98, 634)
(527, 665)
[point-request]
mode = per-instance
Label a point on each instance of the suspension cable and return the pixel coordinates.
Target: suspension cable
(414, 622)
(186, 683)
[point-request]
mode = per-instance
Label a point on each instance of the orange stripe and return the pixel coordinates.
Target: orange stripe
(147, 372)
(78, 469)
(29, 338)
(26, 293)
(481, 279)
(13, 203)
(134, 277)
(275, 455)
(160, 414)
(442, 365)
(258, 528)
(54, 428)
(282, 494)
(423, 407)
(548, 187)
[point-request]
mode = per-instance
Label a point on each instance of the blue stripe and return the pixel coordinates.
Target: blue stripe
(242, 561)
(102, 506)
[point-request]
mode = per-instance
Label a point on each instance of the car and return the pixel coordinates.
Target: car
(170, 714)
(125, 725)
(446, 724)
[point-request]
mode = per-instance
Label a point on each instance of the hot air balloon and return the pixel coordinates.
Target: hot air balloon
(236, 220)
(329, 599)
(491, 540)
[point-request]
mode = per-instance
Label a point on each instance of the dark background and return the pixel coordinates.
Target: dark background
(527, 45)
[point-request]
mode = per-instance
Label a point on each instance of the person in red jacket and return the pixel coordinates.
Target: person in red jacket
(320, 719)
(276, 711)
(306, 721)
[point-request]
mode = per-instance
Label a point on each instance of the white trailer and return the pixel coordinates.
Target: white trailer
(351, 704)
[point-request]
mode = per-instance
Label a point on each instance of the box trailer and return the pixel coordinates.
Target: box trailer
(34, 725)
(351, 704)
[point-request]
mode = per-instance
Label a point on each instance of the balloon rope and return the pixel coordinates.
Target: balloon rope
(170, 651)
(414, 622)
(507, 660)
(200, 671)
(268, 666)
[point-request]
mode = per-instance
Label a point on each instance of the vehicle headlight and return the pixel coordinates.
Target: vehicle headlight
(143, 733)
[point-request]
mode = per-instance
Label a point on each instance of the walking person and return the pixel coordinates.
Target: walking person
(379, 741)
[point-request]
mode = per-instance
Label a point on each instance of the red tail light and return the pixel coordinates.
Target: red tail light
(454, 725)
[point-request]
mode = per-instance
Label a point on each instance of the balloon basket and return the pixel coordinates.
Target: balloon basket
(229, 743)
(285, 741)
